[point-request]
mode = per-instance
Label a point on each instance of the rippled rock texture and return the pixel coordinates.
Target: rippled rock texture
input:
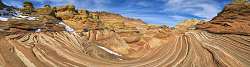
(44, 24)
(130, 44)
(65, 49)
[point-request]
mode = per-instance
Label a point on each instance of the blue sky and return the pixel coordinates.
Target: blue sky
(167, 12)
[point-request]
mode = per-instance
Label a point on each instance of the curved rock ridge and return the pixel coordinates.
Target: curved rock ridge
(99, 39)
(234, 19)
(65, 49)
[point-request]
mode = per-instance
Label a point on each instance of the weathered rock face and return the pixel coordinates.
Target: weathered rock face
(141, 46)
(133, 49)
(66, 12)
(78, 20)
(46, 11)
(234, 19)
(131, 43)
(187, 25)
(25, 26)
(83, 19)
(27, 9)
(111, 20)
(40, 20)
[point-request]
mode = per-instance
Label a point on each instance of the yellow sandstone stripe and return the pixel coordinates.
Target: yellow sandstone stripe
(24, 59)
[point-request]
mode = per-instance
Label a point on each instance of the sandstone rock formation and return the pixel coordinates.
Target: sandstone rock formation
(30, 20)
(111, 20)
(144, 45)
(27, 9)
(69, 49)
(84, 19)
(187, 25)
(78, 20)
(22, 26)
(47, 10)
(66, 12)
(234, 19)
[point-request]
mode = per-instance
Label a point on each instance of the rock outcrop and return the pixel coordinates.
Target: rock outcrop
(187, 25)
(110, 40)
(111, 20)
(234, 19)
(30, 20)
(25, 26)
(81, 20)
(66, 12)
(27, 9)
(124, 49)
(46, 10)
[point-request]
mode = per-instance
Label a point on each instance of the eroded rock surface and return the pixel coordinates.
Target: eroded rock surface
(69, 49)
(109, 40)
(187, 25)
(234, 19)
(111, 20)
(44, 24)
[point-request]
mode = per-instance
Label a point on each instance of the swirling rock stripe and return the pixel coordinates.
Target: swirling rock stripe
(63, 49)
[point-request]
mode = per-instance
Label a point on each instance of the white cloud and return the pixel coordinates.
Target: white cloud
(168, 11)
(201, 8)
(178, 18)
